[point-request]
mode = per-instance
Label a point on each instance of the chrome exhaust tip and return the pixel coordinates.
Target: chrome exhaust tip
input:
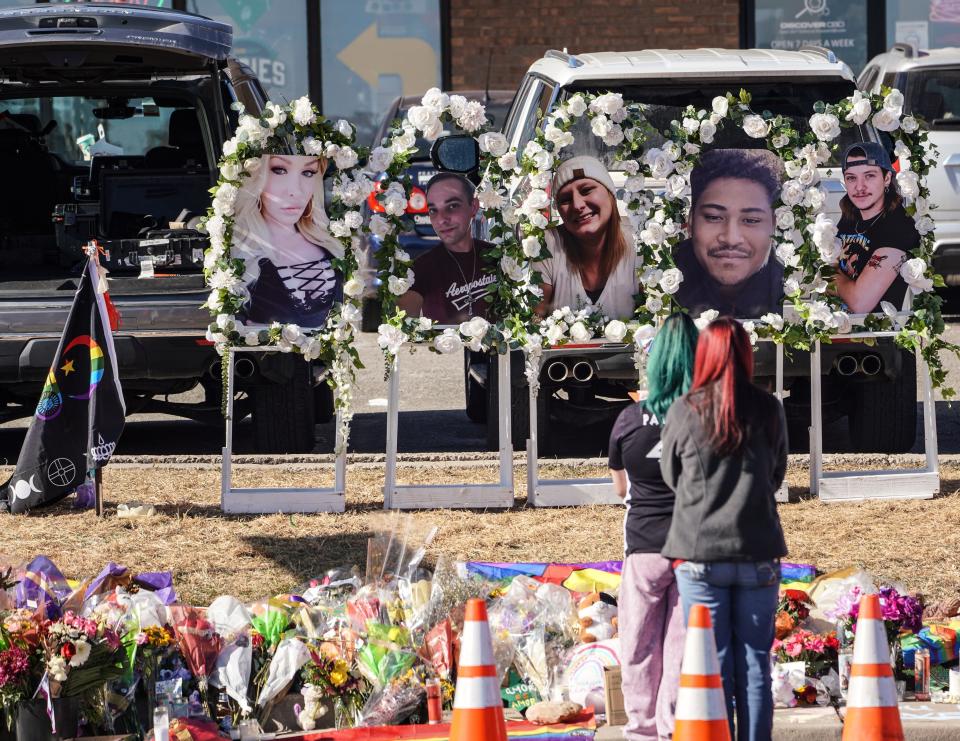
(582, 371)
(244, 368)
(557, 371)
(847, 365)
(871, 364)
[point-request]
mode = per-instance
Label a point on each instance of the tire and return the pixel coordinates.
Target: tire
(371, 318)
(519, 411)
(883, 418)
(476, 395)
(284, 414)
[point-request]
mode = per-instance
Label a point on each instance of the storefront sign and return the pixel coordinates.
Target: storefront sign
(838, 25)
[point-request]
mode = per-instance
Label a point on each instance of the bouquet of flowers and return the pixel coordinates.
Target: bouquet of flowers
(80, 655)
(336, 679)
(818, 652)
(792, 610)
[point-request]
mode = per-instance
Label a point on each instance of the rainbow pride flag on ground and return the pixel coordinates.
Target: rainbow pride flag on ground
(522, 731)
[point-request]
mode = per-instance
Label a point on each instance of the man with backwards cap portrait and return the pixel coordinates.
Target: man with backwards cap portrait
(875, 232)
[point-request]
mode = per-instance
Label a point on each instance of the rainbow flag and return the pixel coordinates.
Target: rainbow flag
(521, 730)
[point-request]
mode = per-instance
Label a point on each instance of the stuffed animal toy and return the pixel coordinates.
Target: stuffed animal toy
(598, 617)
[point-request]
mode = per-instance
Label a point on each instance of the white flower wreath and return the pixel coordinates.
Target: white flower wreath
(393, 158)
(296, 128)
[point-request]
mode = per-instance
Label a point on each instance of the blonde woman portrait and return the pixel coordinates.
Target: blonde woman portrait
(592, 259)
(280, 232)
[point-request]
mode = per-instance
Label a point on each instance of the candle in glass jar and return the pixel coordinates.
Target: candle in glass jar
(434, 702)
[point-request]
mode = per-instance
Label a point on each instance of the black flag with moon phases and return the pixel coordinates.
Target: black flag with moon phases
(80, 414)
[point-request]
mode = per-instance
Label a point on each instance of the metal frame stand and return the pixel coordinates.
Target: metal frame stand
(446, 496)
(272, 500)
(561, 492)
(839, 486)
(588, 491)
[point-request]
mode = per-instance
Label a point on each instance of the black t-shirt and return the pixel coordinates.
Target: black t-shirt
(635, 448)
(861, 239)
(453, 284)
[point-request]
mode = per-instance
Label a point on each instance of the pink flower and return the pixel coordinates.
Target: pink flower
(793, 647)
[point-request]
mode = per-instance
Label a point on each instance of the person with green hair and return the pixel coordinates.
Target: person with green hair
(650, 615)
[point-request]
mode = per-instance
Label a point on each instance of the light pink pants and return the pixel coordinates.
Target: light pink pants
(651, 630)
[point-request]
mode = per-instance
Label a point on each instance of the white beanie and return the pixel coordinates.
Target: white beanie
(577, 168)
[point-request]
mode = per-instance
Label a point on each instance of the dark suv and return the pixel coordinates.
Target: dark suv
(111, 121)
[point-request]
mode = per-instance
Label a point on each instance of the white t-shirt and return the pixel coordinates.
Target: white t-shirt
(616, 300)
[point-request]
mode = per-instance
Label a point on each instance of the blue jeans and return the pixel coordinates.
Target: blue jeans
(742, 598)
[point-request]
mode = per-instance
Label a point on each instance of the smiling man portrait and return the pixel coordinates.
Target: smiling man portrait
(727, 262)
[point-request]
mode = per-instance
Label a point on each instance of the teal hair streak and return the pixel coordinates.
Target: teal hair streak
(670, 365)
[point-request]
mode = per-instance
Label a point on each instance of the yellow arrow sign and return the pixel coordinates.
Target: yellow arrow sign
(371, 55)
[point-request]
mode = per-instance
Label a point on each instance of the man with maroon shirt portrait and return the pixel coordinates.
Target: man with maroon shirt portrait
(451, 280)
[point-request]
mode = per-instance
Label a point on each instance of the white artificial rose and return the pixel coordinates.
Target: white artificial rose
(579, 332)
(653, 233)
(631, 167)
(793, 167)
(672, 150)
(541, 180)
(909, 124)
(705, 318)
(398, 286)
(901, 150)
(538, 220)
(291, 333)
(395, 204)
(859, 112)
(791, 193)
(601, 126)
(841, 320)
(214, 300)
(894, 102)
(808, 176)
(908, 183)
(651, 276)
(785, 218)
(791, 287)
(230, 171)
(344, 128)
(774, 320)
(229, 147)
(251, 339)
(353, 288)
(448, 343)
(477, 327)
(216, 227)
(634, 184)
(339, 228)
(691, 148)
(820, 312)
(780, 141)
(457, 105)
(489, 197)
(433, 130)
(755, 127)
(577, 105)
(512, 269)
(435, 99)
(671, 280)
(345, 158)
(353, 219)
(644, 334)
(615, 331)
(225, 322)
(554, 334)
(913, 273)
(707, 131)
(531, 247)
(676, 186)
(210, 259)
(420, 116)
(720, 105)
(925, 224)
(494, 143)
(380, 226)
(830, 250)
(404, 141)
(380, 159)
(314, 146)
(814, 198)
(659, 163)
(690, 125)
(608, 103)
(886, 120)
(614, 136)
(536, 200)
(653, 304)
(390, 338)
(275, 115)
(303, 111)
(508, 161)
(825, 126)
(543, 160)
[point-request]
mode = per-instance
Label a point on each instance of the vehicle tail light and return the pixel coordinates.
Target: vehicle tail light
(417, 204)
(372, 203)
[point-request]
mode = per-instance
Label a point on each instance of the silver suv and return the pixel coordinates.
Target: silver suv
(881, 406)
(930, 83)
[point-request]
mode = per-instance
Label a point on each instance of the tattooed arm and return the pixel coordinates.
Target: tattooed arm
(863, 294)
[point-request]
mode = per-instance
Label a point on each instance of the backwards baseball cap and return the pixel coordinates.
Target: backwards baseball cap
(578, 168)
(866, 153)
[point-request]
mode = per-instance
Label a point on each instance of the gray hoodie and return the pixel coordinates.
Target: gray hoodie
(725, 508)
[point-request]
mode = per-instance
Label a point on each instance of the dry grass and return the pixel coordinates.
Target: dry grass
(252, 556)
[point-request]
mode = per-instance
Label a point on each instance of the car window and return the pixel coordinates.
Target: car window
(868, 77)
(133, 126)
(935, 95)
(540, 96)
(515, 115)
(495, 111)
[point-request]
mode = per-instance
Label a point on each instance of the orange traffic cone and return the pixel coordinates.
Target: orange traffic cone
(701, 705)
(477, 707)
(872, 709)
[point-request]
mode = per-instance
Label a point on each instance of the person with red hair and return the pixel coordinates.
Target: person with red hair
(724, 456)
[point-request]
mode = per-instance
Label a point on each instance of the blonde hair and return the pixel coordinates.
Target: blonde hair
(251, 238)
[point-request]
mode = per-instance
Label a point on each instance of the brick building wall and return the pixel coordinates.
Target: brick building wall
(520, 31)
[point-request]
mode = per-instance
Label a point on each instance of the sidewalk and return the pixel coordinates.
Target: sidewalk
(921, 722)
